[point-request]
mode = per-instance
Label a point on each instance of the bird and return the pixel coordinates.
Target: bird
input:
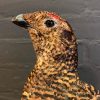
(55, 74)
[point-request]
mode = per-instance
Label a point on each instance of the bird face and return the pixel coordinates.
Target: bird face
(45, 28)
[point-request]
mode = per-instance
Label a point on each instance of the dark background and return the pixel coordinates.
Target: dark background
(16, 52)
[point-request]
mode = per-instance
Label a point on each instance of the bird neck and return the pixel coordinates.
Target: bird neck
(58, 62)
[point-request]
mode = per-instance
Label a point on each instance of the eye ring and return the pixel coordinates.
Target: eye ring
(50, 23)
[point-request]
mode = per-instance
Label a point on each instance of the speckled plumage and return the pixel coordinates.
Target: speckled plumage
(55, 75)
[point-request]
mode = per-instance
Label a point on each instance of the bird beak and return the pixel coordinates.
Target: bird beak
(19, 20)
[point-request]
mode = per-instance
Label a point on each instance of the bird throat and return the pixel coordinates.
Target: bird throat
(58, 64)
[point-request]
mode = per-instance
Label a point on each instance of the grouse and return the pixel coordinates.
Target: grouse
(55, 75)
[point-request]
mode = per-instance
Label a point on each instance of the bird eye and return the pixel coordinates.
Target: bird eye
(49, 23)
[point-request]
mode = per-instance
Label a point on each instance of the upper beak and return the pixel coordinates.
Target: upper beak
(19, 20)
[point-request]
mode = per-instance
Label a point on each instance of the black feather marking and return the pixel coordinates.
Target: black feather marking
(40, 34)
(61, 57)
(67, 34)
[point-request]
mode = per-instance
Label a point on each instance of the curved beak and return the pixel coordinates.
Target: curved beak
(19, 20)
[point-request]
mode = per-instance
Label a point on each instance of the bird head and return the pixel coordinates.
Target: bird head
(49, 33)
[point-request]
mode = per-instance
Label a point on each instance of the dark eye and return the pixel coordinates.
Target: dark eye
(49, 23)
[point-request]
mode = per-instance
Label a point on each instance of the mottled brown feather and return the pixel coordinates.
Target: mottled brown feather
(55, 75)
